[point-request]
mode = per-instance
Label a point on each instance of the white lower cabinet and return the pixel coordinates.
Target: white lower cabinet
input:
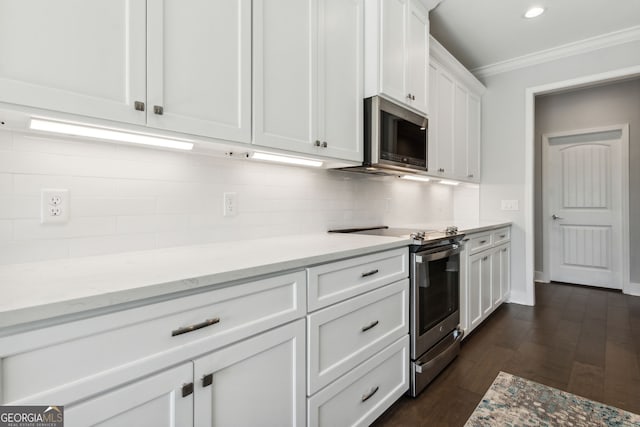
(357, 341)
(362, 395)
(155, 401)
(257, 382)
(486, 283)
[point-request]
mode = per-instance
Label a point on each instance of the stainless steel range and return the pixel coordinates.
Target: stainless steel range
(434, 298)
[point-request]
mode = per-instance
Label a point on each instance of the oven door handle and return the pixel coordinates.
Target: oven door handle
(438, 255)
(420, 367)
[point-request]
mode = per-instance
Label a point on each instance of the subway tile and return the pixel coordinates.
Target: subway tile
(33, 184)
(30, 229)
(17, 206)
(15, 252)
(6, 141)
(6, 183)
(151, 223)
(6, 230)
(90, 246)
(111, 206)
(28, 142)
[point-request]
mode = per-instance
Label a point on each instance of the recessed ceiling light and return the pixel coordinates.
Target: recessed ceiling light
(534, 12)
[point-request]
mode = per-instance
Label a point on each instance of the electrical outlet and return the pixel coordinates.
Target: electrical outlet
(230, 204)
(54, 206)
(510, 205)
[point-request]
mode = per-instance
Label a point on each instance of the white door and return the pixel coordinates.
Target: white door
(340, 86)
(75, 56)
(155, 401)
(257, 382)
(583, 175)
(199, 67)
(418, 57)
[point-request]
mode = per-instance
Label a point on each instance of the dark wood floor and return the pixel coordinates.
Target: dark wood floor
(578, 339)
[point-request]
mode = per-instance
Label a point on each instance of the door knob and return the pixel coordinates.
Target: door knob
(556, 217)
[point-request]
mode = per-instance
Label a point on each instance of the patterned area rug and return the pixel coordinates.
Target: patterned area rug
(514, 401)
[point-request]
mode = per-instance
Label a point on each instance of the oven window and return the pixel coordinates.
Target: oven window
(438, 291)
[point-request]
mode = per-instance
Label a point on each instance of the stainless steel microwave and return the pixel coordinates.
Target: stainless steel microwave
(395, 138)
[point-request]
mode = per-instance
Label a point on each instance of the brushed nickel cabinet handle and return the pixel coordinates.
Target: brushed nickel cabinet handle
(207, 380)
(317, 143)
(502, 236)
(138, 105)
(324, 144)
(370, 273)
(158, 109)
(195, 327)
(368, 396)
(187, 389)
(370, 326)
(482, 242)
(485, 258)
(465, 240)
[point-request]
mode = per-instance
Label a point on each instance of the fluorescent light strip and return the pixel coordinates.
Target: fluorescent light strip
(534, 12)
(286, 159)
(108, 134)
(447, 182)
(415, 178)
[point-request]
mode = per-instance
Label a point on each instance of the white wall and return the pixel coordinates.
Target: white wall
(611, 104)
(503, 138)
(128, 198)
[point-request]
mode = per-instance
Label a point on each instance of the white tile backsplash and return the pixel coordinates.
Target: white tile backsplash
(130, 198)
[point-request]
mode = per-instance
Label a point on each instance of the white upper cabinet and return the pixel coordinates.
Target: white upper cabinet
(454, 125)
(308, 85)
(397, 51)
(74, 56)
(199, 67)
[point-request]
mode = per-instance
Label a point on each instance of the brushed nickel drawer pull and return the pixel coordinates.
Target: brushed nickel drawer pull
(187, 389)
(370, 326)
(482, 242)
(465, 240)
(368, 396)
(502, 236)
(195, 327)
(485, 258)
(370, 273)
(207, 380)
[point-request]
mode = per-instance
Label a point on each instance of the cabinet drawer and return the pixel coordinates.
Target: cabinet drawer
(337, 281)
(102, 351)
(501, 235)
(345, 335)
(478, 242)
(362, 395)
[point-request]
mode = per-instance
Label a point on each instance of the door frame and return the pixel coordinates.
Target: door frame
(624, 197)
(529, 172)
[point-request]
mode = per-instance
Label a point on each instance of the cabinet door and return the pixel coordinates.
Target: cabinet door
(473, 141)
(418, 57)
(475, 290)
(393, 48)
(155, 401)
(339, 86)
(282, 77)
(74, 56)
(460, 133)
(464, 290)
(257, 382)
(432, 158)
(486, 283)
(505, 271)
(199, 67)
(496, 277)
(445, 127)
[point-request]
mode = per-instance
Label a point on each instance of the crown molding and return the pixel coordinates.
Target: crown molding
(583, 46)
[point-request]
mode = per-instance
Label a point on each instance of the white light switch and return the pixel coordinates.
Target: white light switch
(510, 205)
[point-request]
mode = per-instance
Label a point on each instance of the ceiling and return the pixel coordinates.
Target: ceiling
(485, 32)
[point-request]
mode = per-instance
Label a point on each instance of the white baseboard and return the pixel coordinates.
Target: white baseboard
(521, 298)
(633, 289)
(539, 276)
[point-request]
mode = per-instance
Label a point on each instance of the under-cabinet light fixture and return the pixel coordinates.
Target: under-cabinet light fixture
(301, 161)
(81, 129)
(415, 178)
(448, 182)
(534, 12)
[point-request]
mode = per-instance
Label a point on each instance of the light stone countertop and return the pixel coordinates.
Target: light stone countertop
(43, 290)
(37, 291)
(467, 227)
